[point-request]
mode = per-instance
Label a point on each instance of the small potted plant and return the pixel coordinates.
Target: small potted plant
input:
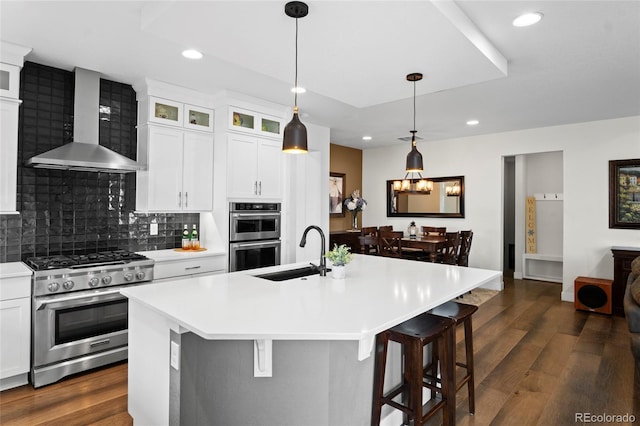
(339, 256)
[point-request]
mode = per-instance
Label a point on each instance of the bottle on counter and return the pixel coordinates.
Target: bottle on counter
(186, 239)
(195, 242)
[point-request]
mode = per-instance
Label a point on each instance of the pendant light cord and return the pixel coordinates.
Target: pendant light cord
(414, 106)
(295, 87)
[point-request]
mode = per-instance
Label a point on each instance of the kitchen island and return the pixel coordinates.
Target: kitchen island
(237, 349)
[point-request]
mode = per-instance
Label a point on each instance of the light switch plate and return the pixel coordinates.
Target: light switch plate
(175, 355)
(153, 229)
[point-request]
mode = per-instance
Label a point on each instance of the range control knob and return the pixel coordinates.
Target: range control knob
(140, 275)
(128, 276)
(93, 282)
(106, 279)
(68, 285)
(53, 287)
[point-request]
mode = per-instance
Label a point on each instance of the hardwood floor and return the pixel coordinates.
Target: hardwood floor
(96, 398)
(538, 362)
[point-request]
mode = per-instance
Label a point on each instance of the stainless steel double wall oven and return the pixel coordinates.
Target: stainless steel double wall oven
(79, 317)
(254, 235)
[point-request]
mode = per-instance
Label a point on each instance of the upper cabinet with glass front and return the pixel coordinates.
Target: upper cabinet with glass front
(198, 118)
(177, 114)
(242, 120)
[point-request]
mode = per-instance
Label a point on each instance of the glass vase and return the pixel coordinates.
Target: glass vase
(354, 222)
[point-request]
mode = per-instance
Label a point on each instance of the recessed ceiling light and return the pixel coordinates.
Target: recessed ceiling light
(192, 54)
(527, 19)
(298, 89)
(472, 122)
(366, 138)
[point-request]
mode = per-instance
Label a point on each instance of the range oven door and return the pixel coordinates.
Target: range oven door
(78, 324)
(248, 226)
(254, 254)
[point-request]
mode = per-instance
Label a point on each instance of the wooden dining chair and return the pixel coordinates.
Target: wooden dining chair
(369, 240)
(385, 228)
(390, 243)
(432, 230)
(449, 252)
(465, 247)
(368, 244)
(369, 230)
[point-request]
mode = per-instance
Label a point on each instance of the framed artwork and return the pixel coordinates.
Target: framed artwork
(624, 194)
(337, 185)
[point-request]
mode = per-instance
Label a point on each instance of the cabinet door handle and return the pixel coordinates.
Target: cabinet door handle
(255, 187)
(186, 199)
(180, 199)
(260, 188)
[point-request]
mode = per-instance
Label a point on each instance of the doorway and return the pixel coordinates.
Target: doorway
(534, 180)
(509, 215)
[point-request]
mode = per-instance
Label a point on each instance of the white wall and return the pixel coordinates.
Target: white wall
(586, 147)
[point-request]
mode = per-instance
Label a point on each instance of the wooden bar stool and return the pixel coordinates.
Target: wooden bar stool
(413, 335)
(461, 313)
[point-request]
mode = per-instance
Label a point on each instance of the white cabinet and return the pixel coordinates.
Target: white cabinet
(9, 149)
(15, 324)
(179, 175)
(254, 167)
(247, 121)
(11, 61)
(164, 111)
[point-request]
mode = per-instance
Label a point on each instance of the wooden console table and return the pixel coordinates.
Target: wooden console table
(349, 238)
(622, 258)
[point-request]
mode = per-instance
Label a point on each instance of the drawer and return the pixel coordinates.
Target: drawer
(186, 267)
(15, 288)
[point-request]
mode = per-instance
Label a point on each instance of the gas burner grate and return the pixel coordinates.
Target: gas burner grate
(61, 261)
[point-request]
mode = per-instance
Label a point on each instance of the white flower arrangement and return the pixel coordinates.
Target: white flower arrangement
(355, 203)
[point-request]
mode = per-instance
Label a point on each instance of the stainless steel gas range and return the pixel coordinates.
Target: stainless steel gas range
(79, 317)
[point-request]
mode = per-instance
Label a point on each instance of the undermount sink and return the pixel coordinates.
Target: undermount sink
(290, 274)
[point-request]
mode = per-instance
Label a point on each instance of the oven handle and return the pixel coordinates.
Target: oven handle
(258, 214)
(259, 243)
(41, 303)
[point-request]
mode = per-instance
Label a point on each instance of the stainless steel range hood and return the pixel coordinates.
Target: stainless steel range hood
(85, 153)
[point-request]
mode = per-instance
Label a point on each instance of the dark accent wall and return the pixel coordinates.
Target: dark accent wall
(64, 212)
(346, 160)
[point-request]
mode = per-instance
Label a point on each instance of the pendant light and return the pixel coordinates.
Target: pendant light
(414, 158)
(295, 133)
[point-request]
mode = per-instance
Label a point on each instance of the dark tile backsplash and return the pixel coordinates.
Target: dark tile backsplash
(64, 212)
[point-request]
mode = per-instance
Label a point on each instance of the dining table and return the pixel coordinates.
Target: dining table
(429, 244)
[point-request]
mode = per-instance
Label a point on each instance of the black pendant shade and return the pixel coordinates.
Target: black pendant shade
(295, 136)
(295, 133)
(414, 158)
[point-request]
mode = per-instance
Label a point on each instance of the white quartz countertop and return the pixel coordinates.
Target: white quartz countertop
(377, 294)
(171, 254)
(14, 269)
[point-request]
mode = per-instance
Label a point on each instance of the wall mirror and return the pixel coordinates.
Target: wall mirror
(428, 197)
